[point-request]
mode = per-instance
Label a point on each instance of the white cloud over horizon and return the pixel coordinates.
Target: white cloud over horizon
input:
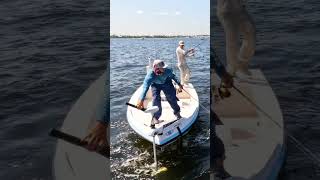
(139, 12)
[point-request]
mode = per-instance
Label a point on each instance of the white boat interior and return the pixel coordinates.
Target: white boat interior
(255, 147)
(167, 129)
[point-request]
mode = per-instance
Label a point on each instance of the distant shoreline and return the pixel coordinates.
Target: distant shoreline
(159, 36)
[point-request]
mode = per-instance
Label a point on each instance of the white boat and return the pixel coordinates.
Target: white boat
(255, 146)
(73, 162)
(168, 130)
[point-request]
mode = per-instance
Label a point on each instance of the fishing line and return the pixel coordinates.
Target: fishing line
(194, 97)
(197, 101)
(298, 144)
(149, 58)
(199, 50)
(313, 157)
(256, 106)
(174, 67)
(198, 45)
(208, 111)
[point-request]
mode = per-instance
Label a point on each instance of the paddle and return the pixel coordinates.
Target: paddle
(77, 141)
(151, 109)
(132, 105)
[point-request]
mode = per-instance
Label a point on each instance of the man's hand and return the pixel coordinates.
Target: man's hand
(227, 80)
(140, 104)
(97, 138)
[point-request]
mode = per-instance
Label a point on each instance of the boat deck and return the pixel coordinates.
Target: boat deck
(141, 121)
(254, 144)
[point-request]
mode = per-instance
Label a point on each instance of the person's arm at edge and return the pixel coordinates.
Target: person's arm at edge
(146, 84)
(98, 136)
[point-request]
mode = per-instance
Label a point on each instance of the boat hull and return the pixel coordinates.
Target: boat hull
(168, 130)
(72, 162)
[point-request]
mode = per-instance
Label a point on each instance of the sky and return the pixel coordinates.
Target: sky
(160, 17)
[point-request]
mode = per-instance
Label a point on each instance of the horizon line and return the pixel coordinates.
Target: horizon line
(119, 35)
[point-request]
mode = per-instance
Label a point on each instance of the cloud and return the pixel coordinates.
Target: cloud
(178, 13)
(139, 12)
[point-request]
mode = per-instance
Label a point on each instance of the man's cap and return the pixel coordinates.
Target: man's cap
(181, 43)
(159, 64)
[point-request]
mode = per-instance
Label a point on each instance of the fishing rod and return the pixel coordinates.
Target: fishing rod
(197, 46)
(202, 41)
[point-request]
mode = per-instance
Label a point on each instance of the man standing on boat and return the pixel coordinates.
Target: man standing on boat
(182, 63)
(236, 20)
(160, 79)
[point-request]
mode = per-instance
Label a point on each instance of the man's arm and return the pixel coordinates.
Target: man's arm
(98, 136)
(181, 51)
(145, 87)
(146, 84)
(188, 53)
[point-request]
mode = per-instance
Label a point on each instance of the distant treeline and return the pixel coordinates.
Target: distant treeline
(156, 36)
